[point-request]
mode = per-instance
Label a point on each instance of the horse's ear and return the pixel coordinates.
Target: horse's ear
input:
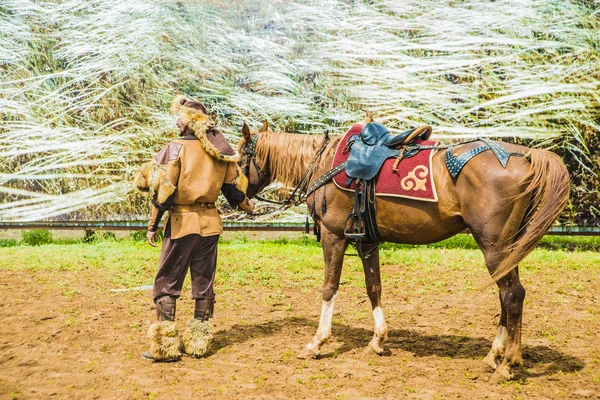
(246, 133)
(369, 117)
(264, 127)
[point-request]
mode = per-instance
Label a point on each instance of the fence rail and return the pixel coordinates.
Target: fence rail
(142, 225)
(233, 226)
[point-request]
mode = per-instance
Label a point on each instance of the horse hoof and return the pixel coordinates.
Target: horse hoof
(502, 374)
(373, 348)
(307, 354)
(491, 360)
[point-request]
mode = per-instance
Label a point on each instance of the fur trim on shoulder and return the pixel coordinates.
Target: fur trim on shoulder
(197, 338)
(200, 129)
(164, 341)
(154, 176)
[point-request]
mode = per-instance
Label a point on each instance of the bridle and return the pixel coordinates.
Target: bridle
(299, 190)
(251, 158)
(250, 150)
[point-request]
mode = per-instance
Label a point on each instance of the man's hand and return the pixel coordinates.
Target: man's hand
(250, 210)
(152, 238)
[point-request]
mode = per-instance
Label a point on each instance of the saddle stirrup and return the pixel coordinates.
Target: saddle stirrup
(356, 216)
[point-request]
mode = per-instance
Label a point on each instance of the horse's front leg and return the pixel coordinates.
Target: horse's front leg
(369, 254)
(334, 247)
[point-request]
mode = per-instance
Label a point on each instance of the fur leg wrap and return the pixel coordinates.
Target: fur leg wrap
(164, 341)
(197, 338)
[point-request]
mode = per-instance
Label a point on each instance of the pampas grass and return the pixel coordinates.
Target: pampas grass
(85, 86)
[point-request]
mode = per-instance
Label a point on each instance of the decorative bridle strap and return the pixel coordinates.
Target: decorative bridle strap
(251, 152)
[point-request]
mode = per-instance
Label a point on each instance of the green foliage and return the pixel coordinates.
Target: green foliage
(37, 237)
(466, 242)
(304, 240)
(460, 241)
(140, 236)
(108, 235)
(8, 242)
(570, 243)
(89, 236)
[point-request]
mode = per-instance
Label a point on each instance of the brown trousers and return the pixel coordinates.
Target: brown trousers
(199, 253)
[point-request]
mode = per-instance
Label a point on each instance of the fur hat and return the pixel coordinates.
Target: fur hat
(193, 114)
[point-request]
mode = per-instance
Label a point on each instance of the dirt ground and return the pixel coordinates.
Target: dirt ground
(84, 341)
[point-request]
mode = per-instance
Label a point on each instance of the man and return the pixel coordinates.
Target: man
(187, 176)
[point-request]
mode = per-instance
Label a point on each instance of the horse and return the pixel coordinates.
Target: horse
(507, 211)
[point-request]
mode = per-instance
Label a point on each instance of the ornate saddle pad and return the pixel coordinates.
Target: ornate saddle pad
(414, 179)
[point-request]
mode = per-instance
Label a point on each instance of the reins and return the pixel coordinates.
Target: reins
(299, 190)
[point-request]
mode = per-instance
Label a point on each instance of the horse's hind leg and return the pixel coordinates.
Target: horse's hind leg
(370, 259)
(334, 247)
(506, 348)
(512, 295)
(495, 231)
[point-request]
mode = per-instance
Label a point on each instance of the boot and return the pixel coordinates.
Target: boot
(165, 308)
(164, 336)
(197, 338)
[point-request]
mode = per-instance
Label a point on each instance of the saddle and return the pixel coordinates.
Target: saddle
(375, 144)
(368, 151)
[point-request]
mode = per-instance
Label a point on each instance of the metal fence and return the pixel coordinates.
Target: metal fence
(233, 226)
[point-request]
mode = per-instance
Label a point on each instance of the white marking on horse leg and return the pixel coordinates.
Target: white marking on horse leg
(380, 325)
(380, 332)
(324, 331)
(496, 354)
(500, 342)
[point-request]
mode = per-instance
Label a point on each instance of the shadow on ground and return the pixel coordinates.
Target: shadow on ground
(538, 360)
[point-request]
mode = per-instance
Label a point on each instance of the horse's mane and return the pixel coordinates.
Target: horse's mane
(288, 155)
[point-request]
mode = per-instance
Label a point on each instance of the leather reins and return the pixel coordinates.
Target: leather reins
(299, 190)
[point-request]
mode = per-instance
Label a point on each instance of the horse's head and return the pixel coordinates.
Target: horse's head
(255, 169)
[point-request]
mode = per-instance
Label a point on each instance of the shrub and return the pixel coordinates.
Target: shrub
(93, 236)
(140, 236)
(90, 236)
(8, 242)
(37, 237)
(108, 235)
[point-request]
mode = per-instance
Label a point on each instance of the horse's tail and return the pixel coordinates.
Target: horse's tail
(547, 186)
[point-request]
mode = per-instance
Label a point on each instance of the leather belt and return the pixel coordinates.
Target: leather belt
(181, 208)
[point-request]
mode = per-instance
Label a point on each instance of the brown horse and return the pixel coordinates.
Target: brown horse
(507, 210)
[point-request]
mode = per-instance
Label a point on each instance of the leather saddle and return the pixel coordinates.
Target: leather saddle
(374, 145)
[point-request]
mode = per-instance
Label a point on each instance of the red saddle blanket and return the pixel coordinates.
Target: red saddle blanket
(413, 180)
